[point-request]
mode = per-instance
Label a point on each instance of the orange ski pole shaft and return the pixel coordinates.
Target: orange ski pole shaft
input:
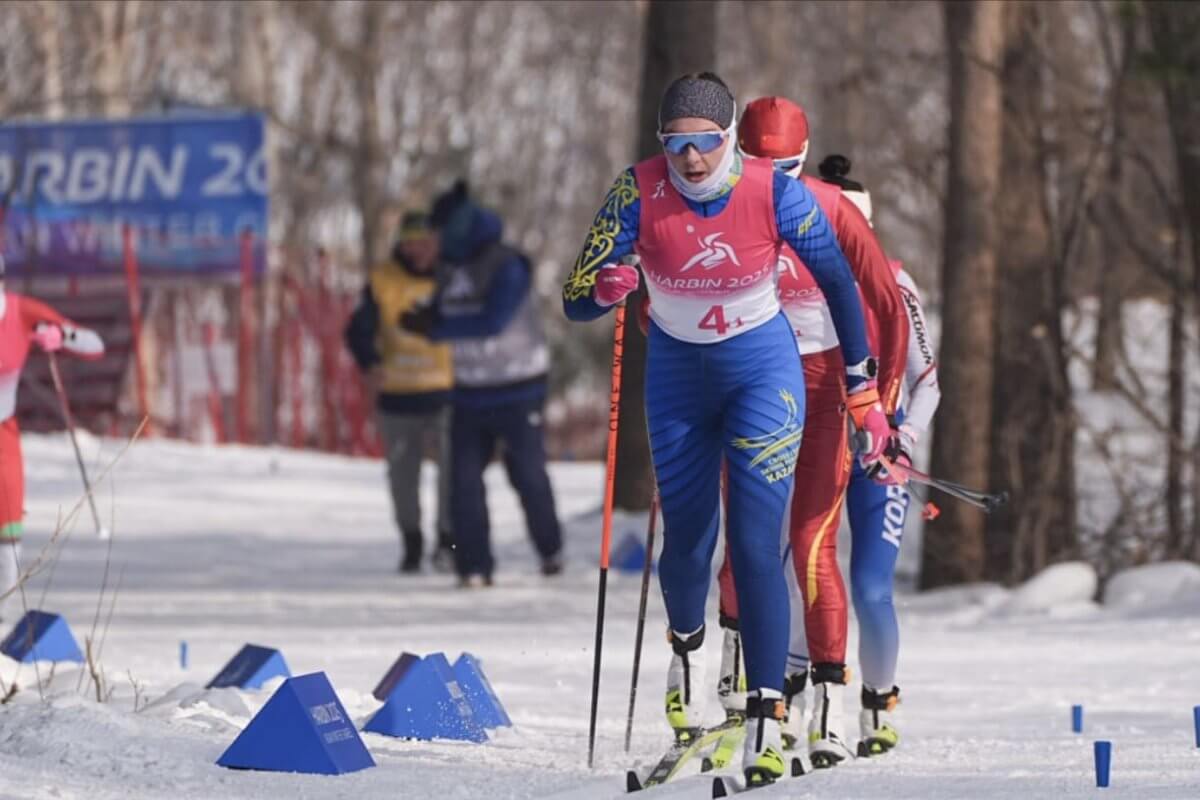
(614, 409)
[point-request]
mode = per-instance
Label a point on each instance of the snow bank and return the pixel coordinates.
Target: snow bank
(1061, 588)
(977, 597)
(189, 695)
(1154, 585)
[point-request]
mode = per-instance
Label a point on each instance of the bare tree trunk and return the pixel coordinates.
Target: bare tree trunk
(1177, 545)
(1032, 434)
(368, 160)
(118, 19)
(1194, 553)
(1175, 31)
(679, 37)
(851, 100)
(953, 548)
(50, 46)
(255, 66)
(1109, 325)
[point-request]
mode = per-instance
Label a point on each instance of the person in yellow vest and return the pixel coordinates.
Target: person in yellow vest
(412, 379)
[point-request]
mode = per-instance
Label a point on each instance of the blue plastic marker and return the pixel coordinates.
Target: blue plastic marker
(1196, 723)
(1103, 752)
(183, 655)
(1077, 719)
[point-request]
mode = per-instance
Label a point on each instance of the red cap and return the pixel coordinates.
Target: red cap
(773, 127)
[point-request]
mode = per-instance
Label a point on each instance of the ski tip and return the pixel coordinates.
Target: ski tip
(632, 782)
(706, 764)
(798, 768)
(718, 788)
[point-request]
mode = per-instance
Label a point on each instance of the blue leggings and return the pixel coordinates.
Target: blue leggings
(742, 398)
(877, 515)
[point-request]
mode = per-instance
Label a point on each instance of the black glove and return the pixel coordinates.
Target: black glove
(419, 320)
(898, 450)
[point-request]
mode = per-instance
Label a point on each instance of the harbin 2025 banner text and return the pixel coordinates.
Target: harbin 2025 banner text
(188, 187)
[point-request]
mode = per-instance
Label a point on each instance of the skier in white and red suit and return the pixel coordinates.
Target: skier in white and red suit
(776, 128)
(24, 321)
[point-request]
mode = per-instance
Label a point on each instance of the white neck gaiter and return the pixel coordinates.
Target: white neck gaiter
(715, 184)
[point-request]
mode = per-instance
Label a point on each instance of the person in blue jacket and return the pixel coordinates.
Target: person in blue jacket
(485, 306)
(723, 377)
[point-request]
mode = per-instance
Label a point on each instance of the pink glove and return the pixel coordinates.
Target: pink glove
(48, 336)
(614, 282)
(871, 423)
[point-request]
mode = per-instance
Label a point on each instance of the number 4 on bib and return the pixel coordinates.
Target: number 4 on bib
(714, 320)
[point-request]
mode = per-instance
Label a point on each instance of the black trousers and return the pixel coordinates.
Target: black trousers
(474, 434)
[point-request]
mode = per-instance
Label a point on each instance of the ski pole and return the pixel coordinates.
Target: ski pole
(641, 620)
(982, 500)
(988, 502)
(614, 409)
(65, 405)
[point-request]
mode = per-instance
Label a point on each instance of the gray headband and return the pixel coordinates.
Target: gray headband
(696, 97)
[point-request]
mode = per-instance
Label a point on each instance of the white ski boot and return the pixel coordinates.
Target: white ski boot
(877, 721)
(731, 692)
(762, 752)
(685, 676)
(795, 701)
(731, 684)
(826, 732)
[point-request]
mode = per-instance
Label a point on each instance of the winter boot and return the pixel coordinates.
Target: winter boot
(443, 559)
(731, 684)
(762, 753)
(552, 565)
(877, 721)
(414, 545)
(826, 732)
(795, 704)
(685, 676)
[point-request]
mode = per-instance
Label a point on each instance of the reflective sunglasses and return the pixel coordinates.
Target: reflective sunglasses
(704, 142)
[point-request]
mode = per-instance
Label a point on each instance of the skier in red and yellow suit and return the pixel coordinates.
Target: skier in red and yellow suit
(776, 128)
(24, 321)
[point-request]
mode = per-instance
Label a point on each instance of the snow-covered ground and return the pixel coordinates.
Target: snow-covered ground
(220, 547)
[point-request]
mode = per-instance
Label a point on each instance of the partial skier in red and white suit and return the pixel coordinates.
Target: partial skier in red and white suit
(777, 128)
(23, 322)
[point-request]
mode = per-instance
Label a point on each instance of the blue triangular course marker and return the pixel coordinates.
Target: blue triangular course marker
(630, 555)
(478, 690)
(302, 728)
(427, 703)
(386, 684)
(41, 636)
(251, 668)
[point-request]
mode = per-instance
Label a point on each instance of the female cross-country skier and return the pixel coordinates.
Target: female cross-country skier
(878, 506)
(777, 128)
(723, 377)
(24, 321)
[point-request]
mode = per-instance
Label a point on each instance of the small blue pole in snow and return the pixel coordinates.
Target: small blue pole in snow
(1077, 719)
(183, 655)
(1103, 752)
(1196, 723)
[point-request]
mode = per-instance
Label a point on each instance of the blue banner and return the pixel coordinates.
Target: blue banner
(188, 187)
